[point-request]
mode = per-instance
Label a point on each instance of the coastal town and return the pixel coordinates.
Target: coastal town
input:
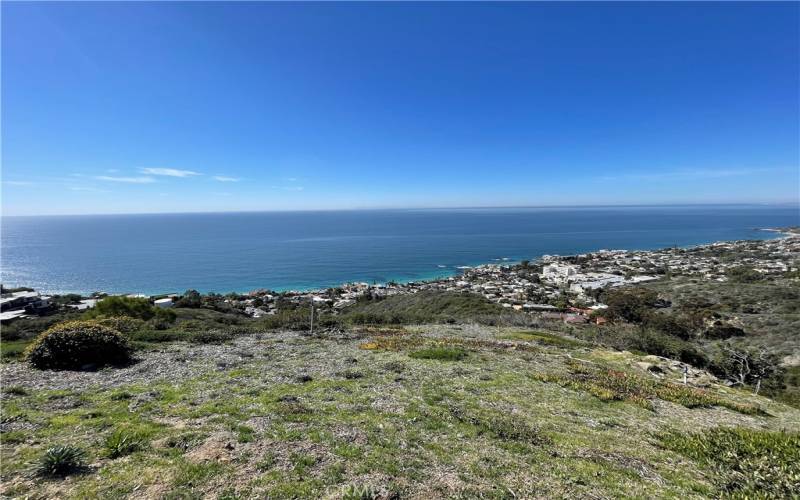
(555, 287)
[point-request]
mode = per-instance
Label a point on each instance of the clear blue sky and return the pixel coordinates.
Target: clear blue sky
(149, 107)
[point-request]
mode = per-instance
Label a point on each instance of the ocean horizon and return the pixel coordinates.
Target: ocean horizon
(300, 250)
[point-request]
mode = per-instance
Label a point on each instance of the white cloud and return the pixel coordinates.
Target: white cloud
(291, 179)
(87, 189)
(18, 183)
(223, 178)
(169, 172)
(288, 188)
(129, 180)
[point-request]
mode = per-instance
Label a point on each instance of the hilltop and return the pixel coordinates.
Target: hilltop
(427, 411)
(451, 388)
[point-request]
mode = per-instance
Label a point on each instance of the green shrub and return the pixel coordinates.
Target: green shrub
(666, 323)
(646, 341)
(747, 463)
(60, 461)
(16, 390)
(121, 443)
(422, 307)
(190, 299)
(440, 353)
(631, 304)
(210, 337)
(77, 344)
(132, 307)
(723, 332)
(122, 324)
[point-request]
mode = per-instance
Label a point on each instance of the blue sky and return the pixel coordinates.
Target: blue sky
(165, 107)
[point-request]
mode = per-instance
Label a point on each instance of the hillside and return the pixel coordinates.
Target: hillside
(431, 411)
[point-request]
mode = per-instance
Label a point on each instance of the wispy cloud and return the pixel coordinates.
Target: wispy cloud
(169, 172)
(224, 178)
(87, 189)
(18, 183)
(129, 180)
(689, 174)
(288, 188)
(291, 179)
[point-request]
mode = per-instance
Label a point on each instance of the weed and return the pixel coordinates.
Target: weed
(747, 463)
(60, 461)
(267, 462)
(302, 462)
(16, 390)
(121, 443)
(352, 374)
(244, 433)
(499, 426)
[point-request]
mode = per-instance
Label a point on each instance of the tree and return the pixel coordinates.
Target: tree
(132, 307)
(748, 366)
(631, 305)
(191, 298)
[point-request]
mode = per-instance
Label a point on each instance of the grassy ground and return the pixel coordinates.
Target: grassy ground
(435, 411)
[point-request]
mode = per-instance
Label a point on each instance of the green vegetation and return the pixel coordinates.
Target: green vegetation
(440, 353)
(122, 324)
(60, 461)
(745, 463)
(131, 307)
(360, 492)
(545, 338)
(614, 385)
(13, 349)
(744, 274)
(426, 307)
(121, 443)
(287, 415)
(78, 344)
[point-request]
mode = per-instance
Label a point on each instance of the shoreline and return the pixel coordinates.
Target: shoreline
(450, 271)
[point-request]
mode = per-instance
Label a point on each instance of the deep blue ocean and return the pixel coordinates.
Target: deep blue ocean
(224, 252)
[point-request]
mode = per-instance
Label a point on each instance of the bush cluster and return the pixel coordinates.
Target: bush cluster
(131, 307)
(76, 345)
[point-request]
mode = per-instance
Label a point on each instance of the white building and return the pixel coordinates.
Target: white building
(558, 273)
(164, 303)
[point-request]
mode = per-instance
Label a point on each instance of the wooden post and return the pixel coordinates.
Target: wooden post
(312, 316)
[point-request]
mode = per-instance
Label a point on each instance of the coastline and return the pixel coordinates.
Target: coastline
(431, 276)
(453, 271)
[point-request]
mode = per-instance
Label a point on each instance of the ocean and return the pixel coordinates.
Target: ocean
(225, 252)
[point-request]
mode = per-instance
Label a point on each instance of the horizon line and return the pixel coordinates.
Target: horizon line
(388, 209)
